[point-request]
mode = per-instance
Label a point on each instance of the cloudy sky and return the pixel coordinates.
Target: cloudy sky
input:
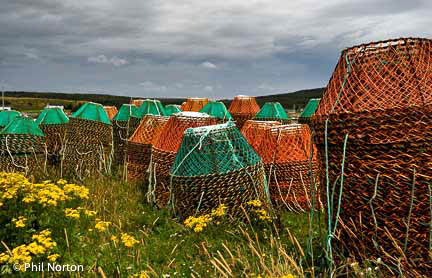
(218, 49)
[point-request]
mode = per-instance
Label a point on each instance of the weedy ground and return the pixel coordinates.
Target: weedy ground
(112, 232)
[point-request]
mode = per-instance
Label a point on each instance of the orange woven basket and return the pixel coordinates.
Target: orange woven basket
(194, 104)
(379, 99)
(243, 108)
(254, 131)
(139, 146)
(111, 111)
(165, 148)
(286, 153)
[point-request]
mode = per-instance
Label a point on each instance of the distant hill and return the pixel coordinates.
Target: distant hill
(288, 100)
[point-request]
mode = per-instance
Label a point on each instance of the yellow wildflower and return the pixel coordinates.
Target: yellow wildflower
(114, 238)
(35, 248)
(255, 203)
(288, 276)
(128, 240)
(101, 226)
(53, 257)
(142, 274)
(90, 213)
(61, 182)
(77, 191)
(20, 222)
(20, 255)
(72, 213)
(219, 211)
(3, 258)
(45, 239)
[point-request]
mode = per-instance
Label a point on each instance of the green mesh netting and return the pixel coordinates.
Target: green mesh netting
(52, 116)
(171, 109)
(310, 108)
(150, 106)
(6, 116)
(217, 109)
(215, 149)
(22, 125)
(125, 112)
(272, 110)
(93, 112)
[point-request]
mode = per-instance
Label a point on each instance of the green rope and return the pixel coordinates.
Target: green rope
(430, 215)
(372, 209)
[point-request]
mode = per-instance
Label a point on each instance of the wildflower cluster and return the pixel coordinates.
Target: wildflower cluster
(260, 213)
(141, 274)
(128, 240)
(200, 222)
(101, 226)
(42, 244)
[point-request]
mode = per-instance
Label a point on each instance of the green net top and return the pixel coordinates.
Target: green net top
(310, 108)
(52, 116)
(150, 107)
(6, 116)
(272, 110)
(93, 112)
(22, 125)
(215, 149)
(171, 109)
(125, 112)
(217, 109)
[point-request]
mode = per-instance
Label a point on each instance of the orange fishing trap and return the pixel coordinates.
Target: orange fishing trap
(373, 126)
(254, 131)
(243, 108)
(290, 162)
(194, 104)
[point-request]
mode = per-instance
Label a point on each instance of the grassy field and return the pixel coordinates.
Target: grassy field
(35, 105)
(164, 246)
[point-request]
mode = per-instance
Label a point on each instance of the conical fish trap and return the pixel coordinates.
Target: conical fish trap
(215, 165)
(89, 140)
(124, 126)
(243, 108)
(218, 110)
(273, 111)
(165, 149)
(194, 104)
(53, 122)
(22, 146)
(290, 165)
(254, 131)
(309, 110)
(379, 101)
(139, 146)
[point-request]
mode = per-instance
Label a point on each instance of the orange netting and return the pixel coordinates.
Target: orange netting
(286, 153)
(254, 131)
(381, 75)
(111, 111)
(194, 104)
(379, 102)
(139, 146)
(137, 102)
(165, 148)
(243, 108)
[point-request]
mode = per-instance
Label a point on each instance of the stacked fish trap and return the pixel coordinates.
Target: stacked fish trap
(111, 111)
(53, 122)
(89, 142)
(254, 131)
(6, 116)
(308, 111)
(139, 146)
(215, 165)
(243, 108)
(171, 109)
(194, 104)
(165, 149)
(123, 127)
(218, 110)
(22, 146)
(273, 111)
(379, 104)
(290, 163)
